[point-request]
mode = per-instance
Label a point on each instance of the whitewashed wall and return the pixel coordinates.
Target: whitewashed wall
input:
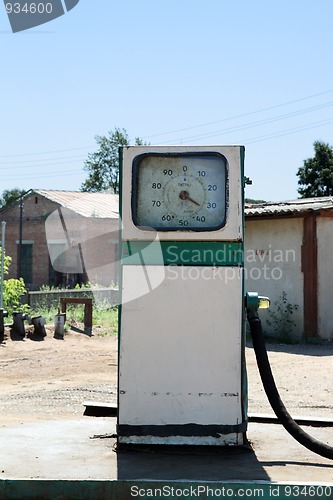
(273, 263)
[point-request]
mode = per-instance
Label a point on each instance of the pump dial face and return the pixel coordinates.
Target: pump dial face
(182, 192)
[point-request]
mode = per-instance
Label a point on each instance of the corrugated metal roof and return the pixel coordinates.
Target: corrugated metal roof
(100, 205)
(292, 208)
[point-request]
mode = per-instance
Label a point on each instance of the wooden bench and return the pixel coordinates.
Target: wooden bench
(87, 309)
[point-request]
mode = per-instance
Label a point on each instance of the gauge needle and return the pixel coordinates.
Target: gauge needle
(184, 195)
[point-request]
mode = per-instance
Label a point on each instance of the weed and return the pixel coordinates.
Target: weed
(280, 318)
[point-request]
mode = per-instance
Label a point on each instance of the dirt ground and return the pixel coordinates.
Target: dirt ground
(51, 378)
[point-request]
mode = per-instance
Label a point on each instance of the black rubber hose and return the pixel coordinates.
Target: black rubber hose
(273, 396)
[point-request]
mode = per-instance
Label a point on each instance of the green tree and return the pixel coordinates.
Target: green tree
(315, 178)
(10, 195)
(254, 202)
(103, 165)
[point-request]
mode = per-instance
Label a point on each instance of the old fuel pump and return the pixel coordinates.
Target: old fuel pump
(181, 346)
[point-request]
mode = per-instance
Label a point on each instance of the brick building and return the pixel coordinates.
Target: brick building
(61, 238)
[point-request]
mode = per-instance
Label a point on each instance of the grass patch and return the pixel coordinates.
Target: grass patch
(105, 318)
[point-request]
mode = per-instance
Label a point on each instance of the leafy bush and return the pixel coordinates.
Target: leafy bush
(13, 290)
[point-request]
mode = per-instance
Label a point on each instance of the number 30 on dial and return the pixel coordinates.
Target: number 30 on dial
(173, 192)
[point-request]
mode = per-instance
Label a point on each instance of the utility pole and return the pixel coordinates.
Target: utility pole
(19, 267)
(2, 262)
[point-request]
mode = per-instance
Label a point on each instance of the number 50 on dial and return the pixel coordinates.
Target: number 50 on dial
(179, 191)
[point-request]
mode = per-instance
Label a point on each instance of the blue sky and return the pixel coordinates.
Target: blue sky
(191, 72)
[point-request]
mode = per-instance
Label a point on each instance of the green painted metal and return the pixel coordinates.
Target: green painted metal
(125, 490)
(120, 274)
(242, 166)
(252, 301)
(186, 253)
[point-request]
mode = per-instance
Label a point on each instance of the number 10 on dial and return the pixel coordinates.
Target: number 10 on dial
(184, 192)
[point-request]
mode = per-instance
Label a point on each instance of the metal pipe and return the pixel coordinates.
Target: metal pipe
(19, 273)
(2, 261)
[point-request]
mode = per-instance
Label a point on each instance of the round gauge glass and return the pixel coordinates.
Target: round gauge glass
(185, 192)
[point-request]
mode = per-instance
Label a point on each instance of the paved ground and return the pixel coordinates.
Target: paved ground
(84, 449)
